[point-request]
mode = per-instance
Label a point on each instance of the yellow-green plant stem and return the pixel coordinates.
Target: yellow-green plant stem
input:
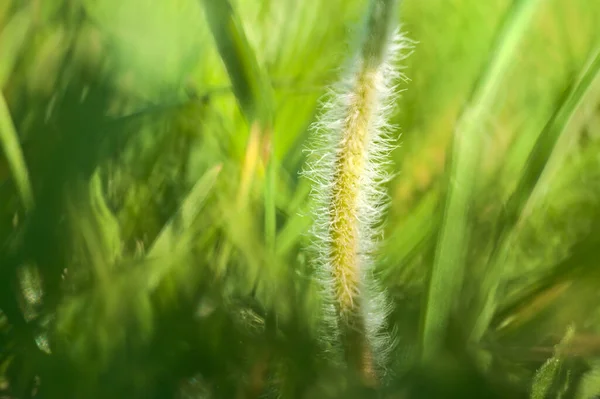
(345, 246)
(350, 167)
(351, 184)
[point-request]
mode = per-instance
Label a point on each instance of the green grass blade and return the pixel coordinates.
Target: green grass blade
(546, 142)
(269, 197)
(297, 223)
(590, 382)
(250, 84)
(252, 90)
(534, 168)
(184, 218)
(12, 151)
(416, 233)
(178, 230)
(449, 264)
(11, 40)
(94, 226)
(544, 378)
(580, 264)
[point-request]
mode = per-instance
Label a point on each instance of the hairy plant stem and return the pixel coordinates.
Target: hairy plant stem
(345, 248)
(352, 139)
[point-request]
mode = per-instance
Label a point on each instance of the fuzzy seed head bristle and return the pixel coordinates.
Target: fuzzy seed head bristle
(348, 163)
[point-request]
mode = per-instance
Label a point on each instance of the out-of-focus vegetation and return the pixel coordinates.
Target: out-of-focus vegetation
(154, 227)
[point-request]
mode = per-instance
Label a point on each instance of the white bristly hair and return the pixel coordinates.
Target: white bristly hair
(348, 164)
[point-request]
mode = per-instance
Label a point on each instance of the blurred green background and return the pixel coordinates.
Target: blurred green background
(154, 225)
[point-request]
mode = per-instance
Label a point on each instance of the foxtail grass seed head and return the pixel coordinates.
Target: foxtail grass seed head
(348, 166)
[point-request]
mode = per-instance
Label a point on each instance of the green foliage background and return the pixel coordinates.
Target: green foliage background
(154, 231)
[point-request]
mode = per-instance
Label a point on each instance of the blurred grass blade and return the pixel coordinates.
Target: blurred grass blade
(183, 220)
(95, 229)
(250, 84)
(251, 160)
(255, 96)
(547, 140)
(177, 232)
(449, 264)
(416, 233)
(590, 383)
(298, 223)
(580, 264)
(11, 40)
(14, 156)
(269, 192)
(535, 166)
(544, 378)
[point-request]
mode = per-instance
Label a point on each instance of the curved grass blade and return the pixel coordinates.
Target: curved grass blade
(255, 96)
(12, 150)
(178, 230)
(250, 85)
(448, 268)
(534, 168)
(12, 37)
(580, 264)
